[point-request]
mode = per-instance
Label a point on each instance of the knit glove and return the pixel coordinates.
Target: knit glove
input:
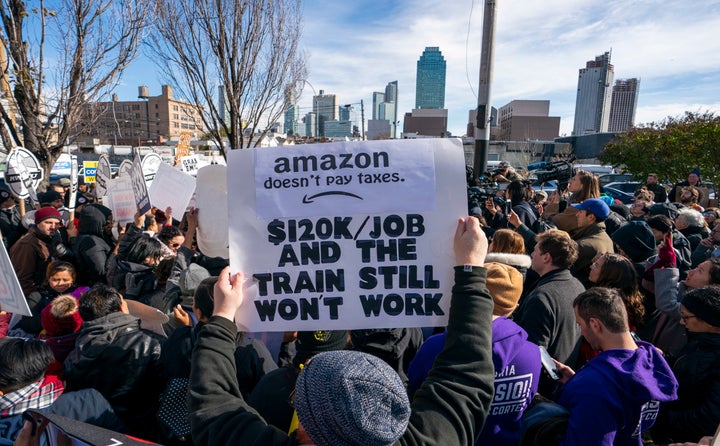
(666, 258)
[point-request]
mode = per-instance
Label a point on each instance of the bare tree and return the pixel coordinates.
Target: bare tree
(242, 52)
(58, 61)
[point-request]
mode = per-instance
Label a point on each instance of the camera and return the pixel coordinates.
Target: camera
(561, 171)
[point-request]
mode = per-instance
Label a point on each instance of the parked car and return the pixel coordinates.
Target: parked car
(617, 194)
(614, 177)
(625, 186)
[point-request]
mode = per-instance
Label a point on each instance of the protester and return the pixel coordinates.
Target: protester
(61, 323)
(60, 279)
(515, 359)
(396, 346)
(693, 179)
(508, 247)
(23, 383)
(546, 311)
(505, 173)
(692, 225)
(10, 220)
(590, 236)
(94, 244)
(614, 397)
(336, 390)
(658, 190)
(636, 242)
(518, 195)
(582, 186)
(119, 359)
(32, 254)
(696, 412)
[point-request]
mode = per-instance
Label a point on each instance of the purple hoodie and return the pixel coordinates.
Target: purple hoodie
(616, 396)
(517, 371)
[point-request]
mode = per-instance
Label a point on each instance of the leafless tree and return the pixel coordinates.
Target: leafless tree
(58, 60)
(244, 52)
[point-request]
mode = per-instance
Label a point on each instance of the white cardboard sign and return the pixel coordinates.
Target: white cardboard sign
(150, 165)
(211, 200)
(190, 164)
(103, 176)
(122, 199)
(335, 261)
(24, 173)
(12, 298)
(172, 188)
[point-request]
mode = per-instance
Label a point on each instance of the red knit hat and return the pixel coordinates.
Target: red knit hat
(61, 317)
(45, 213)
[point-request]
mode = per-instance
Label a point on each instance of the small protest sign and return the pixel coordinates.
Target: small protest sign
(12, 298)
(90, 170)
(172, 188)
(190, 164)
(345, 235)
(139, 186)
(150, 165)
(103, 175)
(73, 182)
(24, 173)
(122, 199)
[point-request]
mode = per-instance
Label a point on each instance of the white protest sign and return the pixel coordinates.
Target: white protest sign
(24, 173)
(372, 246)
(139, 186)
(173, 189)
(150, 165)
(211, 199)
(125, 168)
(12, 298)
(190, 164)
(122, 199)
(73, 182)
(103, 175)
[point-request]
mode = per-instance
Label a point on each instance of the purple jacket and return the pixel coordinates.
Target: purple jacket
(517, 371)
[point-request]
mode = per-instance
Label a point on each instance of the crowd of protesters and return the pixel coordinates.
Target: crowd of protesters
(132, 330)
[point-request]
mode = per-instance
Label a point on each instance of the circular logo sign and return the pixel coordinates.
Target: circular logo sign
(23, 172)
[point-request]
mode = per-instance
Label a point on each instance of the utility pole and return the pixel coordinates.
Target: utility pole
(484, 108)
(362, 119)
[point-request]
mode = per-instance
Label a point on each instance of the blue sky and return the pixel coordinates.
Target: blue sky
(356, 47)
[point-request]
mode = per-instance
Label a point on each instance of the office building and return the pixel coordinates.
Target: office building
(151, 119)
(385, 108)
(292, 112)
(594, 95)
(325, 107)
(624, 104)
(426, 122)
(430, 79)
(527, 120)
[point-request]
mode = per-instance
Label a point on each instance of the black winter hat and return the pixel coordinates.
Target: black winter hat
(310, 343)
(704, 303)
(636, 240)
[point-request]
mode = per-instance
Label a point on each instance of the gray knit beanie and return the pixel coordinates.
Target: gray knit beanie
(351, 398)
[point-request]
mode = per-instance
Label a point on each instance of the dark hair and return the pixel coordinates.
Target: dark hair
(618, 272)
(163, 271)
(168, 233)
(22, 362)
(644, 194)
(505, 240)
(714, 270)
(204, 298)
(605, 305)
(517, 192)
(58, 266)
(143, 247)
(99, 301)
(590, 186)
(562, 249)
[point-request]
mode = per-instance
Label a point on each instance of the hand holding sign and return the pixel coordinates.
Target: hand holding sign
(228, 294)
(470, 243)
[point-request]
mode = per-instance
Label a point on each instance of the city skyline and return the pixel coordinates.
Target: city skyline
(539, 48)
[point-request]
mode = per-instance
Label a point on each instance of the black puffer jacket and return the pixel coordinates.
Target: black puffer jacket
(116, 357)
(134, 281)
(92, 248)
(696, 413)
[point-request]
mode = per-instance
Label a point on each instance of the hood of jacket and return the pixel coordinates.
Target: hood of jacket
(516, 260)
(97, 335)
(507, 340)
(92, 220)
(641, 375)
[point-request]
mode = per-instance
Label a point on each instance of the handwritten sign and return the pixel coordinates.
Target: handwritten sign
(190, 164)
(347, 235)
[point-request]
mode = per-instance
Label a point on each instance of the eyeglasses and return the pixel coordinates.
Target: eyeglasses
(174, 245)
(685, 317)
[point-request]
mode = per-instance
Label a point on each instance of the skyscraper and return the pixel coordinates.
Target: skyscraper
(592, 106)
(325, 107)
(624, 103)
(292, 112)
(430, 81)
(385, 108)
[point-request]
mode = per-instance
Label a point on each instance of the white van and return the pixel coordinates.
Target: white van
(597, 169)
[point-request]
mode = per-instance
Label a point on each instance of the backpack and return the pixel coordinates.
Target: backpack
(543, 423)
